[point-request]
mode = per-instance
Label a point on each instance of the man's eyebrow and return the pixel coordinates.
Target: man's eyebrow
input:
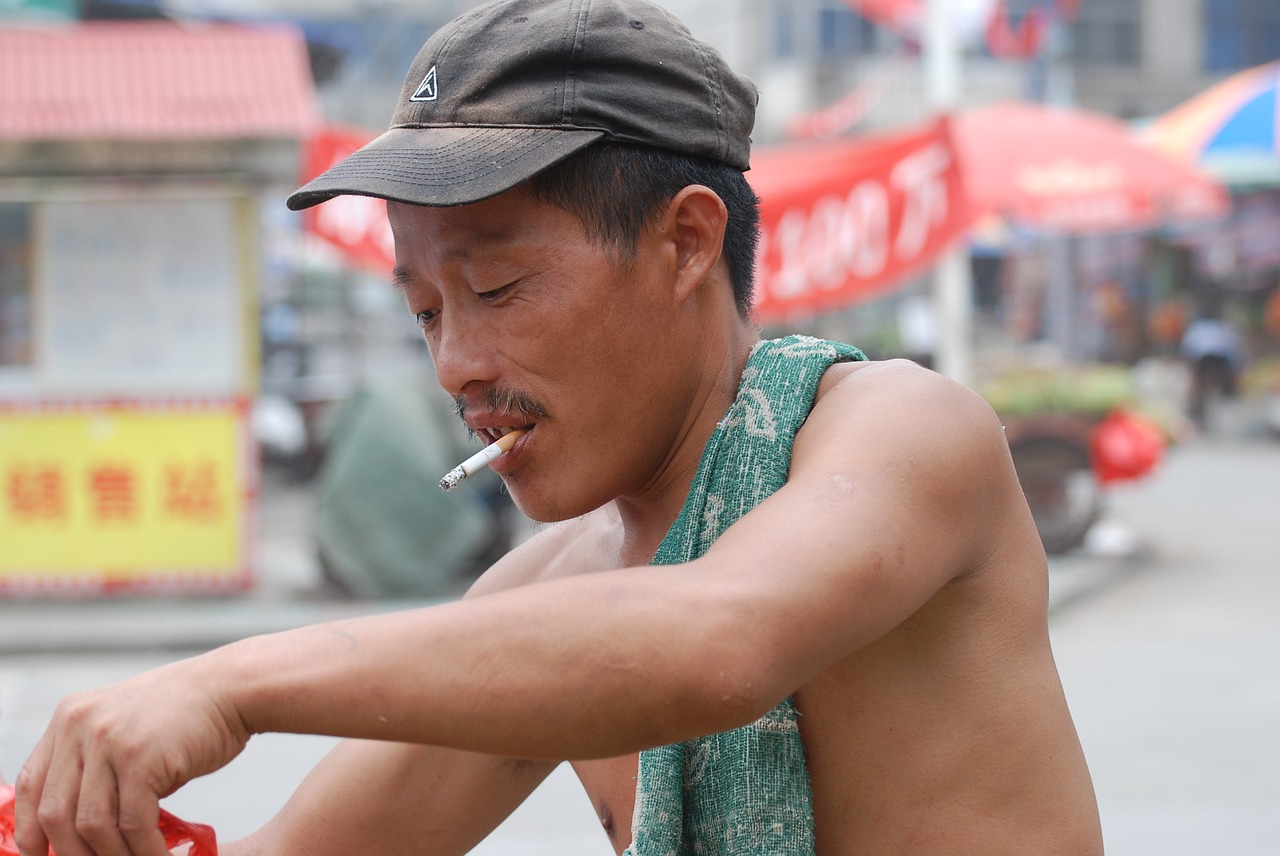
(480, 244)
(400, 278)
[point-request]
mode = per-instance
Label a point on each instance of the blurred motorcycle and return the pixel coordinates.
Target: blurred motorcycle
(1065, 461)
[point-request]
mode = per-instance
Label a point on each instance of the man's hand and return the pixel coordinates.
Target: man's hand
(93, 784)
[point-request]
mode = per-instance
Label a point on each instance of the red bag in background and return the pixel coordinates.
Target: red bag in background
(1125, 446)
(176, 832)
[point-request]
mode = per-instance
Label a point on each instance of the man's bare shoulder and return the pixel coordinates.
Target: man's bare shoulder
(906, 382)
(919, 441)
(904, 406)
(569, 547)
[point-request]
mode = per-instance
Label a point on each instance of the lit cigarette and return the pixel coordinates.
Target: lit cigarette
(480, 459)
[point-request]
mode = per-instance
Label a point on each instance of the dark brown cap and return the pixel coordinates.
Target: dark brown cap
(506, 90)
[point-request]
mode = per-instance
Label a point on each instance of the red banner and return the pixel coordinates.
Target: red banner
(1011, 30)
(357, 225)
(846, 222)
(1021, 36)
(901, 15)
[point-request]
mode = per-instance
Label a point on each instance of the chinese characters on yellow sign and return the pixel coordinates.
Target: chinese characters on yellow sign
(116, 495)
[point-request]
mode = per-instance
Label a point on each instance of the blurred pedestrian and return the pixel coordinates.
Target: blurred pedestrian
(1215, 358)
(795, 602)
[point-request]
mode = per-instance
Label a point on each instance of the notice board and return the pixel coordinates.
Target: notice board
(127, 462)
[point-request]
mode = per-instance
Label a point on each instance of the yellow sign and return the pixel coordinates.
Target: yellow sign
(122, 494)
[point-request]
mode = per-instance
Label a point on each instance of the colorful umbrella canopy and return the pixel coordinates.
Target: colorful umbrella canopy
(1074, 171)
(1231, 129)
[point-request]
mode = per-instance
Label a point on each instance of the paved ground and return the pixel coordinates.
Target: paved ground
(1173, 671)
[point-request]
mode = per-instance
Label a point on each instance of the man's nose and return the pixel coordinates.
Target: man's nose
(463, 356)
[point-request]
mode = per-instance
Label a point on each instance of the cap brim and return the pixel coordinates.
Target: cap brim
(443, 165)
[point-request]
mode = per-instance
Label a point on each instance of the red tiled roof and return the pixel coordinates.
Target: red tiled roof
(154, 80)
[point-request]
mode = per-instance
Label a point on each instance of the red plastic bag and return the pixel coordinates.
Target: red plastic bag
(1125, 446)
(176, 832)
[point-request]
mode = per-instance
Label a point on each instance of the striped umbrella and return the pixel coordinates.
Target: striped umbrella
(1231, 129)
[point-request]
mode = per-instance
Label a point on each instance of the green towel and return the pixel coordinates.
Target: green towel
(743, 792)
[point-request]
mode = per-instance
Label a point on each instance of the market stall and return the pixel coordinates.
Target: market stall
(134, 160)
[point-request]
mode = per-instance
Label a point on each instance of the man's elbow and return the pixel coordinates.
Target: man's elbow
(736, 680)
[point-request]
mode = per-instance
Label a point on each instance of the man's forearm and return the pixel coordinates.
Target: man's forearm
(381, 797)
(548, 671)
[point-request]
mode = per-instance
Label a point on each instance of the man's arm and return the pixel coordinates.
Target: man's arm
(377, 796)
(370, 796)
(390, 798)
(893, 483)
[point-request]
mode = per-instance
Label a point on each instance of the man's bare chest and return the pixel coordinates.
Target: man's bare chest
(610, 784)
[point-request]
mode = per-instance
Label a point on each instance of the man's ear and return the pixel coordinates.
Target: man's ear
(695, 224)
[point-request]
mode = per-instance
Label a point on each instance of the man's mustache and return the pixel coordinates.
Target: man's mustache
(503, 401)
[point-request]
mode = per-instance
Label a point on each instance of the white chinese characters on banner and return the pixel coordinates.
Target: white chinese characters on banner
(845, 222)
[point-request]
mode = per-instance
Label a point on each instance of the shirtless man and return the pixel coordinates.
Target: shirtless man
(895, 587)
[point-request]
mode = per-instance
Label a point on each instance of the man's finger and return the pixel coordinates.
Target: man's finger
(139, 817)
(59, 800)
(96, 814)
(28, 787)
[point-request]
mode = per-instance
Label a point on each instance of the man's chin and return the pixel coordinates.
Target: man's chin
(539, 506)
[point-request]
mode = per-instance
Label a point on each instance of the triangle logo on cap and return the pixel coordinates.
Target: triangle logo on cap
(427, 88)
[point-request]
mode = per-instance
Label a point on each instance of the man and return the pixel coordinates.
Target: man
(1212, 351)
(859, 664)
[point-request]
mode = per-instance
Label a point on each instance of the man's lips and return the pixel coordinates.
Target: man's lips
(491, 434)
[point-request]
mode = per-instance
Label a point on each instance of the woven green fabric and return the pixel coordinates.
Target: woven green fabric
(743, 792)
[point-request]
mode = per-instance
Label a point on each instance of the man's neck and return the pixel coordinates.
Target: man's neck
(645, 518)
